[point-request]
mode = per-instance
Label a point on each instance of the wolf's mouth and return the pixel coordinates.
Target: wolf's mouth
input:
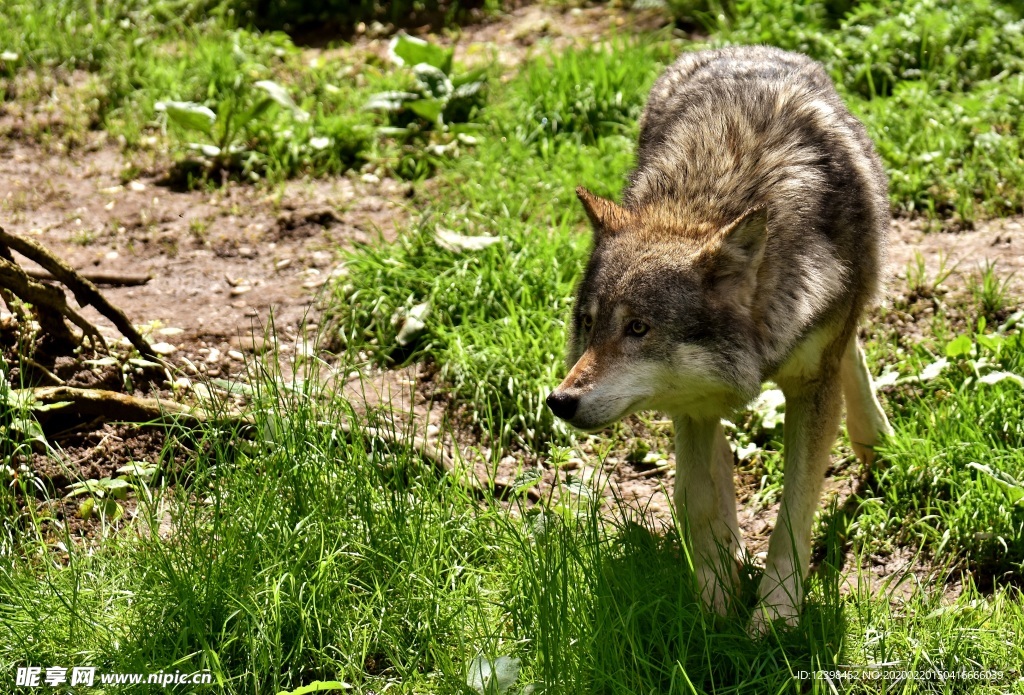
(587, 427)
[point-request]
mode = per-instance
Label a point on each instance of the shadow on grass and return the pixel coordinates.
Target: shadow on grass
(616, 611)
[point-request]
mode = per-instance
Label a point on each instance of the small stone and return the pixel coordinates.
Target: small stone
(240, 290)
(255, 344)
(213, 356)
(163, 348)
(170, 330)
(283, 263)
(235, 355)
(137, 186)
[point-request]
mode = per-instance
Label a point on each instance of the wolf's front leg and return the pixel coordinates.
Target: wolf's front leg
(812, 422)
(705, 499)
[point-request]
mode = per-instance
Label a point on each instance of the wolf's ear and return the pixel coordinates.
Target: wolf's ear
(741, 253)
(606, 217)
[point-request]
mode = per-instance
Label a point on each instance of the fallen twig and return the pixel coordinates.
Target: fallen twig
(43, 370)
(97, 278)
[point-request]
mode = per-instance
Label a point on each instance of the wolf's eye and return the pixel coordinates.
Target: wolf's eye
(637, 328)
(587, 322)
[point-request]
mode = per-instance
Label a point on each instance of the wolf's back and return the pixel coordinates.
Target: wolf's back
(730, 130)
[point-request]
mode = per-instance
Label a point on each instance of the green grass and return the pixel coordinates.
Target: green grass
(937, 83)
(952, 483)
(308, 556)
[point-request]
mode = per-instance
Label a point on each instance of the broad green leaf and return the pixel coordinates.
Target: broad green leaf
(468, 90)
(189, 115)
(118, 487)
(85, 508)
(409, 50)
(28, 427)
(139, 469)
(992, 341)
(996, 377)
(933, 370)
(579, 488)
(42, 408)
(255, 112)
(433, 82)
(961, 345)
(529, 478)
(281, 96)
(428, 109)
(86, 487)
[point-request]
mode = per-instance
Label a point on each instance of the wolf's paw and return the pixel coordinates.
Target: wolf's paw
(718, 586)
(864, 453)
(765, 616)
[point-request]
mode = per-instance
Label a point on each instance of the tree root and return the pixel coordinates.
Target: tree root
(51, 305)
(117, 406)
(50, 302)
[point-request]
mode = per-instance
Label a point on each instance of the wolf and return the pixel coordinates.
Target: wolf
(750, 239)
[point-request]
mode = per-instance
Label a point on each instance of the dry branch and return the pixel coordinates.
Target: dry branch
(97, 278)
(85, 292)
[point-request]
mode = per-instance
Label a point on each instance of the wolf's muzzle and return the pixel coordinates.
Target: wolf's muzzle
(562, 404)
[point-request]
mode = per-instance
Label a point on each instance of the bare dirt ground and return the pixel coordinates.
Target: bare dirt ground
(514, 37)
(219, 260)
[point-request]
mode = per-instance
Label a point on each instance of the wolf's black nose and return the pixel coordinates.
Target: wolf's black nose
(562, 404)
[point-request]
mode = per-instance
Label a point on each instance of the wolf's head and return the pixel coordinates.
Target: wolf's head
(662, 317)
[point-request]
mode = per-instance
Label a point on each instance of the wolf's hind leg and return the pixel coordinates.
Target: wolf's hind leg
(705, 500)
(865, 420)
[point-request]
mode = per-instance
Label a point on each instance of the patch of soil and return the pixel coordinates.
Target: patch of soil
(515, 36)
(92, 452)
(998, 242)
(220, 261)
